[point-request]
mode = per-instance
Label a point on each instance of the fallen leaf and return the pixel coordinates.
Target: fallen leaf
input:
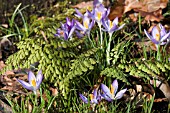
(150, 9)
(54, 91)
(151, 16)
(163, 86)
(116, 10)
(145, 5)
(84, 5)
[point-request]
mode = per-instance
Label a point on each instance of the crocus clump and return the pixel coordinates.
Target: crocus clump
(111, 94)
(34, 82)
(67, 29)
(94, 97)
(159, 36)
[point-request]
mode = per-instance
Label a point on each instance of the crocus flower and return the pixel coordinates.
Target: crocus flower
(67, 29)
(99, 13)
(158, 36)
(111, 26)
(111, 94)
(93, 98)
(86, 26)
(34, 82)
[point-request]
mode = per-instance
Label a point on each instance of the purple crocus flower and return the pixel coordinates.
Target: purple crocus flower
(158, 36)
(86, 26)
(99, 13)
(67, 29)
(93, 98)
(34, 82)
(110, 94)
(111, 26)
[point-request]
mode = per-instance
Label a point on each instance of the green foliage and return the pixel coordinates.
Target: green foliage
(124, 66)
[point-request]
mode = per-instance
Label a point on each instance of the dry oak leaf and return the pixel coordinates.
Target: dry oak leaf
(116, 10)
(84, 5)
(163, 86)
(145, 5)
(152, 16)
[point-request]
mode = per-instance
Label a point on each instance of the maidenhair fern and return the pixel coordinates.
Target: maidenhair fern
(123, 67)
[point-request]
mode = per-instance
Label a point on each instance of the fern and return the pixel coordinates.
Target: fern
(123, 66)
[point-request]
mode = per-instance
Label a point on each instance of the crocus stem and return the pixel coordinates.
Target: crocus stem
(158, 53)
(101, 37)
(108, 50)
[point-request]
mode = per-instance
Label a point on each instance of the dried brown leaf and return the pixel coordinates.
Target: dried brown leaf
(163, 86)
(150, 9)
(84, 5)
(145, 5)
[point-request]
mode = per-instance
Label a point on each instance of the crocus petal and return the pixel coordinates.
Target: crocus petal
(94, 101)
(71, 31)
(72, 23)
(165, 37)
(97, 3)
(163, 43)
(121, 26)
(78, 34)
(120, 94)
(95, 93)
(39, 78)
(106, 97)
(68, 22)
(26, 85)
(155, 33)
(154, 41)
(163, 31)
(115, 85)
(90, 14)
(114, 28)
(91, 24)
(31, 78)
(83, 98)
(99, 96)
(107, 12)
(86, 22)
(104, 24)
(79, 26)
(79, 15)
(148, 35)
(115, 21)
(57, 35)
(104, 29)
(106, 90)
(66, 36)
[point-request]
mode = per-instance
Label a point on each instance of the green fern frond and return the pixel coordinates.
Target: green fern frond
(115, 72)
